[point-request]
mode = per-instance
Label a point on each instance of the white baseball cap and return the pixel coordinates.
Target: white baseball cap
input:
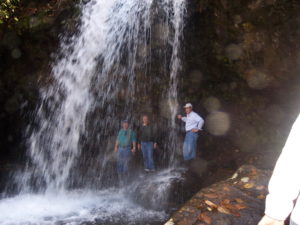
(187, 105)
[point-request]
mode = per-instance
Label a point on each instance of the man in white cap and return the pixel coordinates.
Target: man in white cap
(193, 124)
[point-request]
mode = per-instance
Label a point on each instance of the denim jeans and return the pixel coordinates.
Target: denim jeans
(124, 156)
(190, 145)
(147, 149)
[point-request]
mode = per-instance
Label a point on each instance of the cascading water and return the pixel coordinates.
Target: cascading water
(175, 66)
(99, 78)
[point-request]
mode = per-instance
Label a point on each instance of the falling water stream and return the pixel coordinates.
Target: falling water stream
(97, 75)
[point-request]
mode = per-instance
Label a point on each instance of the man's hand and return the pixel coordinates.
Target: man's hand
(195, 130)
(133, 150)
(139, 147)
(266, 220)
(179, 117)
(155, 146)
(116, 149)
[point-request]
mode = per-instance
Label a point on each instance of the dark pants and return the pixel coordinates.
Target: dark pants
(124, 156)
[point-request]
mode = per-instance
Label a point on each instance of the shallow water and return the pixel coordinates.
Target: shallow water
(97, 207)
(137, 201)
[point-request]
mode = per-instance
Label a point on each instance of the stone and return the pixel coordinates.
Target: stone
(198, 166)
(246, 138)
(156, 191)
(233, 51)
(16, 53)
(258, 80)
(195, 77)
(212, 104)
(227, 202)
(168, 107)
(275, 114)
(11, 40)
(161, 32)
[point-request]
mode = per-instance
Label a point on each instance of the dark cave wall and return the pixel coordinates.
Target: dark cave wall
(242, 61)
(26, 48)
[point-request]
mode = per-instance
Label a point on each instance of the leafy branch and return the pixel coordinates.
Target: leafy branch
(7, 10)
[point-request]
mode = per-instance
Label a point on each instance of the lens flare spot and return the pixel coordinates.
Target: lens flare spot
(218, 123)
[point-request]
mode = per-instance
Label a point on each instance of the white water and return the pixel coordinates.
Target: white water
(110, 206)
(108, 27)
(73, 208)
(179, 8)
(94, 68)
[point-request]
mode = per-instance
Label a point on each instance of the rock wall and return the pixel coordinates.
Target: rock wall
(238, 200)
(27, 41)
(242, 74)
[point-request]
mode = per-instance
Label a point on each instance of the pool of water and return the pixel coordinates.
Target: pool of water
(79, 207)
(142, 201)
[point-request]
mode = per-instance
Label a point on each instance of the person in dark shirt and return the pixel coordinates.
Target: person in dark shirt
(146, 143)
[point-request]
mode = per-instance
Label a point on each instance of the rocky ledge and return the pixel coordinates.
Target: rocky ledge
(238, 200)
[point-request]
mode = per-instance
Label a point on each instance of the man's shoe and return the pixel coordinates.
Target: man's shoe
(152, 170)
(147, 170)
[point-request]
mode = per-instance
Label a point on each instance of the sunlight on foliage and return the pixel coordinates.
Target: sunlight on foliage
(7, 10)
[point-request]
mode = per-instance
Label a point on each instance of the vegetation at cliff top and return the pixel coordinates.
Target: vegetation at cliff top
(7, 10)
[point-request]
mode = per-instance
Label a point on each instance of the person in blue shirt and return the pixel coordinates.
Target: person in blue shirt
(124, 147)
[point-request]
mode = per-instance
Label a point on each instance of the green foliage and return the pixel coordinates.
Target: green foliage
(7, 10)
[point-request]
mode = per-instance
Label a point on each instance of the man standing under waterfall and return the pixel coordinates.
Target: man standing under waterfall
(193, 125)
(124, 147)
(147, 142)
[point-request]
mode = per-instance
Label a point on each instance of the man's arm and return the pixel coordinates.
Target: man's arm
(266, 220)
(116, 146)
(284, 185)
(200, 122)
(133, 141)
(138, 138)
(117, 142)
(133, 147)
(154, 133)
(180, 117)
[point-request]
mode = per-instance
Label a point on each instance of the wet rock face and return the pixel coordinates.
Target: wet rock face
(167, 189)
(246, 58)
(26, 45)
(159, 190)
(236, 201)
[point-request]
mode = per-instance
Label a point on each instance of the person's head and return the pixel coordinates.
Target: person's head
(145, 119)
(188, 108)
(125, 124)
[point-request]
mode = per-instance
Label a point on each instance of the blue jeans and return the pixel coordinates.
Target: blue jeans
(190, 145)
(124, 156)
(147, 149)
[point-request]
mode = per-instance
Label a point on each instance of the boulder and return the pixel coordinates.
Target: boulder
(167, 189)
(238, 200)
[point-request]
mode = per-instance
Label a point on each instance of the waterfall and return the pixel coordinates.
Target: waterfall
(95, 72)
(122, 52)
(175, 66)
(108, 33)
